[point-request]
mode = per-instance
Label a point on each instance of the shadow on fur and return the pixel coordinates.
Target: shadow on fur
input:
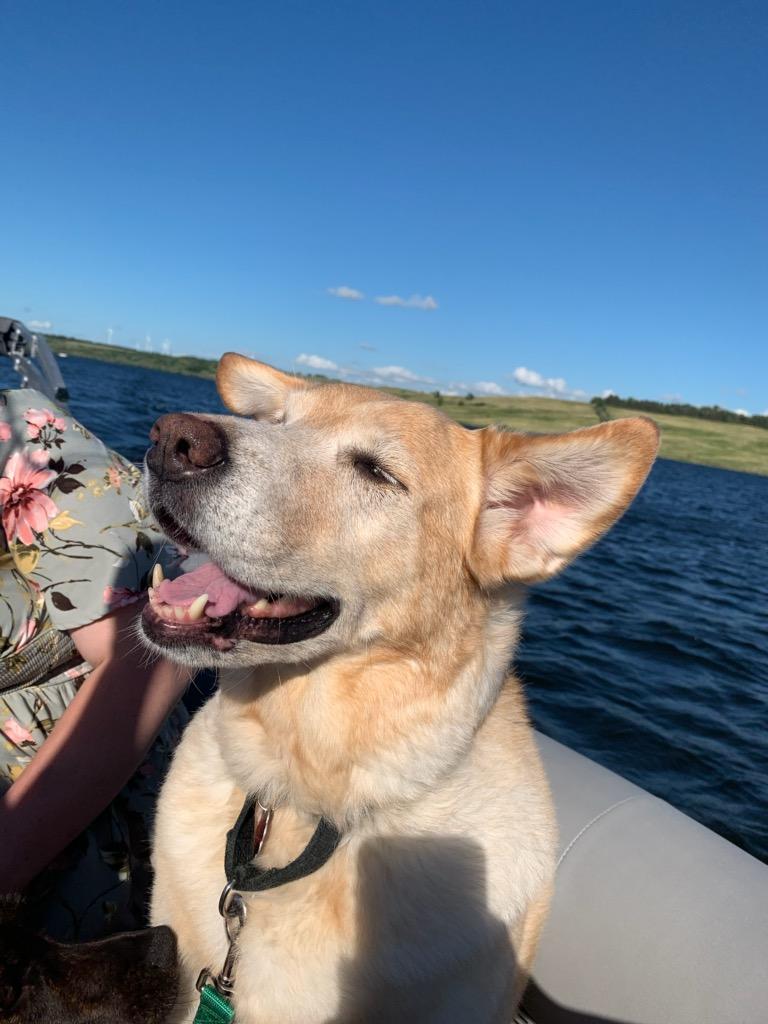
(423, 921)
(126, 979)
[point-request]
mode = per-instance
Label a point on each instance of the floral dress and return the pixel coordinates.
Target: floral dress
(76, 543)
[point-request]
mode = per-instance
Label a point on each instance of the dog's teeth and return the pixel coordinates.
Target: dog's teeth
(157, 575)
(197, 608)
(258, 606)
(179, 612)
(151, 593)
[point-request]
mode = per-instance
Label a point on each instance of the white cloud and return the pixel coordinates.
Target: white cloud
(608, 393)
(549, 387)
(533, 379)
(487, 387)
(414, 302)
(742, 412)
(40, 325)
(316, 362)
(401, 374)
(378, 375)
(344, 292)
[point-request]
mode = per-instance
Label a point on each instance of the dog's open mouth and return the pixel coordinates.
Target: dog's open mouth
(207, 607)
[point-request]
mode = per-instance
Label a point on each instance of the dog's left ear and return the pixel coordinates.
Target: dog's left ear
(548, 497)
(251, 388)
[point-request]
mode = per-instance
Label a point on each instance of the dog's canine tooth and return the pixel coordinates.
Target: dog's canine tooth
(157, 575)
(197, 608)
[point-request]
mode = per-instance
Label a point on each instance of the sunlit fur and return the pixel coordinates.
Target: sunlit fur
(401, 724)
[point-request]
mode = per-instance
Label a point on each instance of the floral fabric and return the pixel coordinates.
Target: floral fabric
(76, 543)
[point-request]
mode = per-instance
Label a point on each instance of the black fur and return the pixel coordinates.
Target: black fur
(127, 979)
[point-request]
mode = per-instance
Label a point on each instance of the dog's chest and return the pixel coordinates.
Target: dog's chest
(415, 892)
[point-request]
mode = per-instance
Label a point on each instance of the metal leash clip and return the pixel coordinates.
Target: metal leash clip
(216, 990)
(232, 909)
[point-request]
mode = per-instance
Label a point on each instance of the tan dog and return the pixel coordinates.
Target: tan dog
(363, 604)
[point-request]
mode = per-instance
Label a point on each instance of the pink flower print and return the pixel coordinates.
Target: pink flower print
(26, 633)
(25, 507)
(17, 733)
(118, 597)
(45, 427)
(5, 431)
(114, 478)
(37, 419)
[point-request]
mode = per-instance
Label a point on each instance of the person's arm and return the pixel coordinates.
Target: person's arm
(93, 750)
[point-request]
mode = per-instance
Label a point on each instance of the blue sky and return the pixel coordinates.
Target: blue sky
(575, 193)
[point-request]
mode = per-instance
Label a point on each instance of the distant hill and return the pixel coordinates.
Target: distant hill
(191, 366)
(688, 433)
(703, 412)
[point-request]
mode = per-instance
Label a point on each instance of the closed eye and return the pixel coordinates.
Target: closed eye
(373, 470)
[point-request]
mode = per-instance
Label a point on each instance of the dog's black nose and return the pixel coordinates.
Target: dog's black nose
(183, 445)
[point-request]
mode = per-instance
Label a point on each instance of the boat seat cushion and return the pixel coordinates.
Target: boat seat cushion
(655, 920)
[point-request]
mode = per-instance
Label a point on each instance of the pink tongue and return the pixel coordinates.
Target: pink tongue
(224, 595)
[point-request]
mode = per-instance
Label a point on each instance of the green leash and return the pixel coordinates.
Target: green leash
(213, 1008)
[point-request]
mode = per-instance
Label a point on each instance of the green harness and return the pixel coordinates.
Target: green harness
(245, 841)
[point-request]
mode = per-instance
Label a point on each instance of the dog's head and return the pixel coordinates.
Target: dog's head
(127, 979)
(335, 516)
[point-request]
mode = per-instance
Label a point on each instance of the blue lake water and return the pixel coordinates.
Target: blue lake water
(649, 654)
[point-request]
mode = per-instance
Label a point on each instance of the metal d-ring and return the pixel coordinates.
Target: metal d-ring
(232, 908)
(226, 895)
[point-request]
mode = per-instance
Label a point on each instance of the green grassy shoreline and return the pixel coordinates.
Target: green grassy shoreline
(736, 446)
(189, 366)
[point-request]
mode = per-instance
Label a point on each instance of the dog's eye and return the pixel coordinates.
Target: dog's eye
(373, 470)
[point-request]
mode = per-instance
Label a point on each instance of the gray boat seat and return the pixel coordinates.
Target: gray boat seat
(655, 920)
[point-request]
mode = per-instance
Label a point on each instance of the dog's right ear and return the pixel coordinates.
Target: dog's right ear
(255, 389)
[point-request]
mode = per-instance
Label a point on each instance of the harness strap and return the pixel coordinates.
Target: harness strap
(245, 876)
